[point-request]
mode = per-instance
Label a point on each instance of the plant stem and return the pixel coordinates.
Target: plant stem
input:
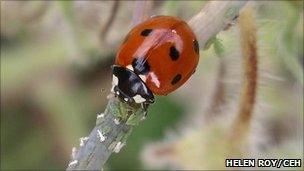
(218, 96)
(109, 135)
(248, 43)
(104, 31)
(141, 12)
(213, 18)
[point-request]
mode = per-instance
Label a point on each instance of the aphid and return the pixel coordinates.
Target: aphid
(101, 136)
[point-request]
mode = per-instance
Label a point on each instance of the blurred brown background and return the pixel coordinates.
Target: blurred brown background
(55, 76)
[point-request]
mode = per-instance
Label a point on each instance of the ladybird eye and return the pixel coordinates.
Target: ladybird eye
(196, 46)
(176, 79)
(146, 32)
(174, 53)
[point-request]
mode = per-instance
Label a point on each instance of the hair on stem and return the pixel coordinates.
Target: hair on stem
(248, 42)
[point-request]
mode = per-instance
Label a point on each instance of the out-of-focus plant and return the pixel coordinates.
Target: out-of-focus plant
(289, 44)
(18, 17)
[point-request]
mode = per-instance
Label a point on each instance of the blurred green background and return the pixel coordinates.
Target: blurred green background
(55, 77)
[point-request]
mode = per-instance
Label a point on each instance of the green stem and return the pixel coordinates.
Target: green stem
(109, 135)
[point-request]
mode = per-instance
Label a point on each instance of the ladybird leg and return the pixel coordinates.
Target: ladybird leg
(115, 91)
(145, 116)
(145, 106)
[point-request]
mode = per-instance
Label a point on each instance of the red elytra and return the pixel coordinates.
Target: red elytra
(162, 51)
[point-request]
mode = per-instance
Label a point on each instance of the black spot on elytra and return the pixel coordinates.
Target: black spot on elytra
(196, 46)
(174, 53)
(146, 32)
(140, 66)
(176, 79)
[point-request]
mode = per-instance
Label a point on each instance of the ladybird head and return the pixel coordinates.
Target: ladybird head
(129, 86)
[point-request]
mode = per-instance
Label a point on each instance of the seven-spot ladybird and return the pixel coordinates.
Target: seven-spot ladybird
(156, 57)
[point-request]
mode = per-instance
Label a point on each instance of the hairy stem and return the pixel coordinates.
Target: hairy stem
(250, 65)
(218, 96)
(109, 135)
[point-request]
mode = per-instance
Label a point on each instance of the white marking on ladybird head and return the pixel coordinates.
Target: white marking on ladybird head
(116, 121)
(143, 78)
(173, 31)
(74, 162)
(101, 136)
(130, 67)
(117, 93)
(138, 99)
(126, 99)
(118, 147)
(83, 140)
(114, 81)
(154, 79)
